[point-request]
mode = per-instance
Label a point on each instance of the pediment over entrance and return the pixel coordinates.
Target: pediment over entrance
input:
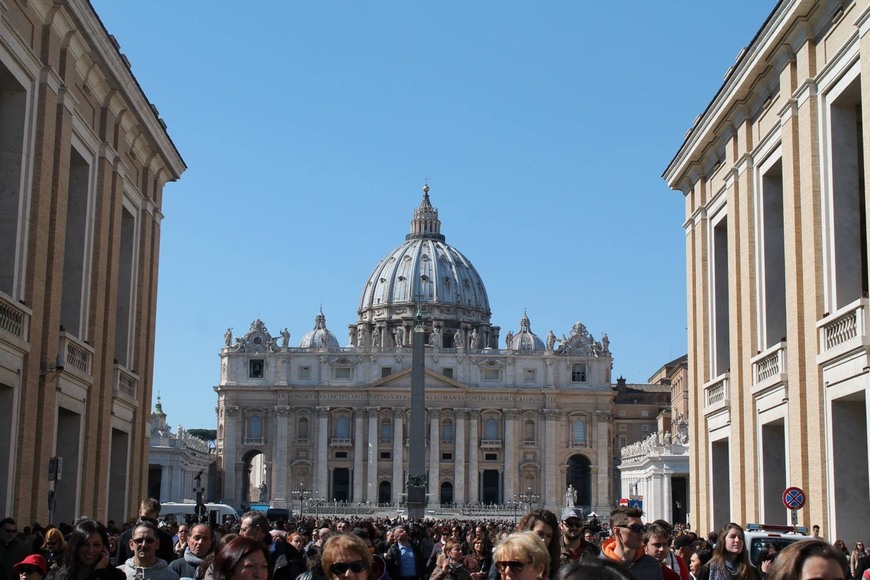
(402, 380)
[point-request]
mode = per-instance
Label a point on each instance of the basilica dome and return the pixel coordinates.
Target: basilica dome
(428, 272)
(524, 340)
(319, 336)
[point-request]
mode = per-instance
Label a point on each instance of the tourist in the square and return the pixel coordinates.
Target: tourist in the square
(730, 560)
(522, 556)
(87, 555)
(809, 560)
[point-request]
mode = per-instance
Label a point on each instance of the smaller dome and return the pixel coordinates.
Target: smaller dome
(319, 336)
(524, 340)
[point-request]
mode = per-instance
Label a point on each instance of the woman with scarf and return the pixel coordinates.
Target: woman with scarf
(730, 559)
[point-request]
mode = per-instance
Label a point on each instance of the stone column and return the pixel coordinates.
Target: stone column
(550, 486)
(667, 496)
(398, 453)
(278, 485)
(358, 455)
(601, 492)
(374, 439)
(511, 460)
(434, 454)
(459, 491)
(321, 452)
(473, 453)
(231, 438)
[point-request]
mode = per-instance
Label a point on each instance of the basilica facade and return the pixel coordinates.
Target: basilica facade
(511, 418)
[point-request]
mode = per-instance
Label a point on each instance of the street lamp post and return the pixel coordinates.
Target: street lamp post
(528, 497)
(301, 492)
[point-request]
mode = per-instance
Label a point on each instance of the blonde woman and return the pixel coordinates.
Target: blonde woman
(522, 556)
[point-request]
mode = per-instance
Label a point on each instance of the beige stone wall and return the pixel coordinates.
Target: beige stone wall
(770, 101)
(79, 89)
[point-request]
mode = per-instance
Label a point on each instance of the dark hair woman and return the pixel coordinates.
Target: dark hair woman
(241, 558)
(730, 560)
(806, 559)
(87, 555)
(479, 560)
(546, 525)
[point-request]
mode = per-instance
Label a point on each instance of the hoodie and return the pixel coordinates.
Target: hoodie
(644, 567)
(159, 571)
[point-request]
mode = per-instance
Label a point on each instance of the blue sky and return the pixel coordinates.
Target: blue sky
(308, 130)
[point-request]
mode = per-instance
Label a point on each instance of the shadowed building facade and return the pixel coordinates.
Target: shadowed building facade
(84, 158)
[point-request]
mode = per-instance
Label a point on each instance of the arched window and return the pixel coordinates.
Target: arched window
(255, 427)
(386, 431)
(529, 431)
(578, 432)
(447, 431)
(490, 429)
(302, 429)
(342, 427)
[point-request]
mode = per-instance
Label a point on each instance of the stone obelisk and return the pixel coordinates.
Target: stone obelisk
(416, 482)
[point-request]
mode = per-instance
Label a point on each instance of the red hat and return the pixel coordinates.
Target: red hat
(32, 560)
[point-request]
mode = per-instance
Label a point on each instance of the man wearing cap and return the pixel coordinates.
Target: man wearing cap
(33, 567)
(574, 546)
(626, 544)
(682, 553)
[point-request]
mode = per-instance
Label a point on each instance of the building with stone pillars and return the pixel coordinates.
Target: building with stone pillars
(179, 463)
(84, 157)
(773, 174)
(505, 414)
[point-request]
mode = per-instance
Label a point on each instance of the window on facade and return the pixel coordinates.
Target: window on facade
(386, 455)
(491, 374)
(75, 273)
(447, 431)
(341, 454)
(623, 427)
(490, 456)
(447, 372)
(446, 457)
(302, 428)
(16, 116)
(622, 413)
(304, 373)
(386, 371)
(342, 427)
(578, 373)
(721, 317)
(341, 372)
(644, 413)
(772, 254)
(125, 290)
(623, 441)
(578, 431)
(386, 430)
(530, 375)
(490, 429)
(255, 368)
(645, 428)
(255, 427)
(529, 431)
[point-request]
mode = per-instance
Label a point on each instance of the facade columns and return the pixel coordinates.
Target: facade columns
(473, 453)
(358, 452)
(434, 454)
(372, 473)
(322, 451)
(398, 454)
(601, 495)
(231, 437)
(511, 461)
(550, 486)
(459, 493)
(278, 484)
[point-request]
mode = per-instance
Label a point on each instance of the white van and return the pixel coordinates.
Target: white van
(186, 511)
(761, 538)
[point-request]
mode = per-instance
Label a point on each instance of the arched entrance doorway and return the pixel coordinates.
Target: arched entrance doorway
(385, 492)
(579, 475)
(254, 486)
(446, 496)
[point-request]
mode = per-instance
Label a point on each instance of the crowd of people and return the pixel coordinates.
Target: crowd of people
(541, 546)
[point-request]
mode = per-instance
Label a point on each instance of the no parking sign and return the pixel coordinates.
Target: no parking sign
(793, 498)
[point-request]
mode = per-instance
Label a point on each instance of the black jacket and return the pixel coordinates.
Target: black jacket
(165, 551)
